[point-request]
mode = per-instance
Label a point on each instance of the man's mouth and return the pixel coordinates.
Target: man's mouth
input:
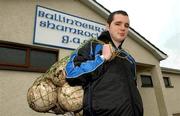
(122, 34)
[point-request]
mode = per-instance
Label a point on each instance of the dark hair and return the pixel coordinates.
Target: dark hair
(111, 16)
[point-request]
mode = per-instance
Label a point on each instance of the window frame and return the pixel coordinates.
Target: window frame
(17, 48)
(146, 85)
(27, 65)
(168, 81)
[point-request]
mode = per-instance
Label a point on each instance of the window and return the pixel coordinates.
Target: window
(167, 82)
(146, 81)
(176, 114)
(42, 59)
(15, 56)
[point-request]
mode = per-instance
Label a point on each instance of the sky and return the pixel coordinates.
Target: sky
(156, 20)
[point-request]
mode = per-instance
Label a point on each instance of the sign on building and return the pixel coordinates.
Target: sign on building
(55, 28)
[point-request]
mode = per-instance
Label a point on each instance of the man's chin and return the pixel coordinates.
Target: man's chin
(121, 39)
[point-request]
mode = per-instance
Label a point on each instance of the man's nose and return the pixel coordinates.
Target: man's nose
(122, 27)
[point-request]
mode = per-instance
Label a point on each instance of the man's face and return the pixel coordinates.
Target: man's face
(118, 28)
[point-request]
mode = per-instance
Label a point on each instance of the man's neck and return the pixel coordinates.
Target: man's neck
(117, 44)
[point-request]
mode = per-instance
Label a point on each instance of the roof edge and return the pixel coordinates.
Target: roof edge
(170, 70)
(94, 5)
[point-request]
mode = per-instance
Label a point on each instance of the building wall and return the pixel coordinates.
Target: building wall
(140, 54)
(148, 96)
(17, 22)
(17, 25)
(13, 90)
(172, 94)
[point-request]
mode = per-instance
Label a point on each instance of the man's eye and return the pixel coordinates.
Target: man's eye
(127, 25)
(118, 24)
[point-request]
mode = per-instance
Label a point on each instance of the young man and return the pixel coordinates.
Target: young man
(107, 72)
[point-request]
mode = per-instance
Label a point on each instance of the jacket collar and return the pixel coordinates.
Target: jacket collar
(105, 37)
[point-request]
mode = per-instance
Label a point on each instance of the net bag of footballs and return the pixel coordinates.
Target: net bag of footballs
(51, 93)
(42, 96)
(70, 98)
(56, 73)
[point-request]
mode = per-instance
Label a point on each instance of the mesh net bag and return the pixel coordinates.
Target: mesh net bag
(59, 76)
(51, 92)
(70, 98)
(78, 113)
(42, 95)
(56, 73)
(57, 110)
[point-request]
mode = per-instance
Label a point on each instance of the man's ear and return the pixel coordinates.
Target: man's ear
(107, 26)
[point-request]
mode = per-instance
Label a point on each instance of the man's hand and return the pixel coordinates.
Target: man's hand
(107, 51)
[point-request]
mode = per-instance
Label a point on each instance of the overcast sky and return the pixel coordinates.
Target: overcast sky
(156, 20)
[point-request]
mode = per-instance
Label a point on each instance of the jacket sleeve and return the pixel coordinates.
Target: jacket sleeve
(83, 62)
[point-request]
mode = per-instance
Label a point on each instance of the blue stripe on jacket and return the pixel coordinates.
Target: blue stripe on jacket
(73, 71)
(133, 62)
